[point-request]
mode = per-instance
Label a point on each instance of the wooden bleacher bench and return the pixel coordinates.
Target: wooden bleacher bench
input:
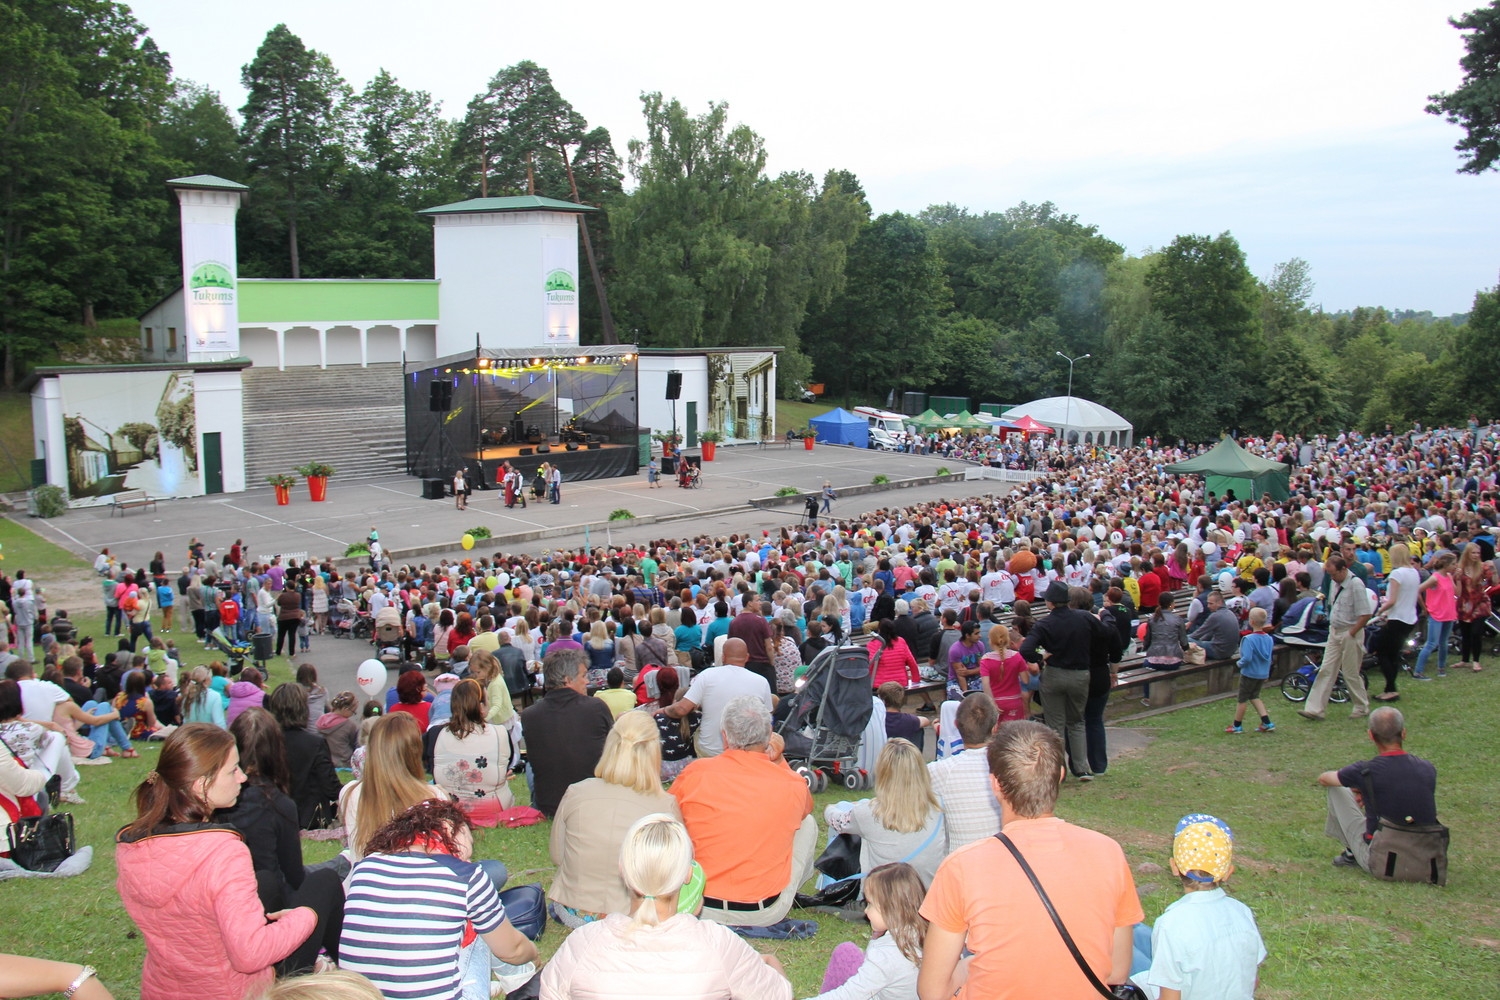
(130, 498)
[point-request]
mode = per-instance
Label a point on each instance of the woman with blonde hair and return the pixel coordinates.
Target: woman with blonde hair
(392, 781)
(600, 650)
(320, 604)
(593, 818)
(200, 702)
(471, 758)
(903, 822)
(625, 953)
(1474, 578)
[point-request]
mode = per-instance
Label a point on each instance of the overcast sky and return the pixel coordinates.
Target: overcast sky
(1296, 126)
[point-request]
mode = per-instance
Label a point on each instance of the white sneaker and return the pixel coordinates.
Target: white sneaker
(85, 761)
(71, 798)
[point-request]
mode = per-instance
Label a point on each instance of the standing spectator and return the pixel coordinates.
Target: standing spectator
(1473, 579)
(288, 616)
(976, 898)
(1349, 608)
(565, 731)
(751, 627)
(1400, 609)
(1067, 635)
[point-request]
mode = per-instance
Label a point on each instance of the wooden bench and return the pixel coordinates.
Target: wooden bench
(130, 498)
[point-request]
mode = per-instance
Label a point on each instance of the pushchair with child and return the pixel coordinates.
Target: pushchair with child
(823, 721)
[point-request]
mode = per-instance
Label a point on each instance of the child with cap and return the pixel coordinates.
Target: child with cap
(1255, 667)
(1205, 944)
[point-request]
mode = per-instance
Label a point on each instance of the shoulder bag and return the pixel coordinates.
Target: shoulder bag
(1406, 852)
(1124, 991)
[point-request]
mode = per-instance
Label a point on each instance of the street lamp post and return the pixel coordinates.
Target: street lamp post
(1068, 421)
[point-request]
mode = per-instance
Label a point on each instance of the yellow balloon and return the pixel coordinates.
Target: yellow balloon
(468, 540)
(492, 582)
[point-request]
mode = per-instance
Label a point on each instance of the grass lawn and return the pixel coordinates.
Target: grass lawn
(15, 442)
(1330, 933)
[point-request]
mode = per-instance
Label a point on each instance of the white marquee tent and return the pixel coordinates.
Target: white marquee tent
(1083, 420)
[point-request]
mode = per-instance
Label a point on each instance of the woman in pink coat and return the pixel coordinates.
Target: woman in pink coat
(189, 884)
(891, 659)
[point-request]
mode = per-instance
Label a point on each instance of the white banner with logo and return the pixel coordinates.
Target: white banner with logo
(560, 291)
(210, 275)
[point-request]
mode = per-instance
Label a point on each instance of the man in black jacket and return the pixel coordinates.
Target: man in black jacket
(565, 731)
(1063, 642)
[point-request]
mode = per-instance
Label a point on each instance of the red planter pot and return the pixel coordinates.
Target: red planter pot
(283, 495)
(317, 488)
(708, 450)
(808, 443)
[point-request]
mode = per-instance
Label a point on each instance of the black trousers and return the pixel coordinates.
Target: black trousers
(1388, 647)
(765, 670)
(323, 892)
(286, 629)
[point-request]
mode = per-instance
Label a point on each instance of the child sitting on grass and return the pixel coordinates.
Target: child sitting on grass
(1205, 944)
(1255, 667)
(888, 965)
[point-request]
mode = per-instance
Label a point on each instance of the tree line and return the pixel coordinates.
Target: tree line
(706, 248)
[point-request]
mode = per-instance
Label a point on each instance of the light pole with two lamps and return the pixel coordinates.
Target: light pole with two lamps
(1068, 422)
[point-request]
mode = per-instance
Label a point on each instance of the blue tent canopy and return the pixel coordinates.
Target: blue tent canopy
(839, 426)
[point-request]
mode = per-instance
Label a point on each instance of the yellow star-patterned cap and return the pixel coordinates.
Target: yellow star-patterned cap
(1203, 847)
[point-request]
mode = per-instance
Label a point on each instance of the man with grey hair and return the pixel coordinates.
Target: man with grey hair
(1393, 784)
(750, 818)
(565, 731)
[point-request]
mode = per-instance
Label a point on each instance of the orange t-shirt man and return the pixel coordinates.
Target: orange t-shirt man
(742, 810)
(981, 891)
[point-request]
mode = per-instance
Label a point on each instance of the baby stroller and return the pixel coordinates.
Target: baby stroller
(823, 720)
(233, 649)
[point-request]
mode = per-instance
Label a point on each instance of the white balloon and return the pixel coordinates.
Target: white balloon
(1210, 549)
(371, 677)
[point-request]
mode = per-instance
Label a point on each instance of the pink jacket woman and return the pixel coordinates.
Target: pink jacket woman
(191, 890)
(891, 659)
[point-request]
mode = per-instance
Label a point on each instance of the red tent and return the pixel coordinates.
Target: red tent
(1031, 426)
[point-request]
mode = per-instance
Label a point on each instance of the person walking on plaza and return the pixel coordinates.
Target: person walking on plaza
(460, 491)
(1350, 607)
(554, 484)
(828, 497)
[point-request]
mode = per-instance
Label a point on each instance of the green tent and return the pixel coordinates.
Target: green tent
(1226, 466)
(968, 422)
(928, 421)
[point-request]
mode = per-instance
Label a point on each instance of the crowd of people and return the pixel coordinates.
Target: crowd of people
(653, 753)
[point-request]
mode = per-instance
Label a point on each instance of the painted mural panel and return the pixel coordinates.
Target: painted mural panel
(130, 431)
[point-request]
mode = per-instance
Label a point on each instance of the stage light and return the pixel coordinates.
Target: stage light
(447, 371)
(484, 362)
(583, 361)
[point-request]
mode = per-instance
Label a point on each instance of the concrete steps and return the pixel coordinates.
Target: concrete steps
(348, 417)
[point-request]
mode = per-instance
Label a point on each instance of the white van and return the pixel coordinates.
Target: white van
(893, 424)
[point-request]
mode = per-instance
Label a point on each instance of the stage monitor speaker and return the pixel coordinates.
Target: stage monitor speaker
(572, 446)
(593, 446)
(433, 489)
(525, 452)
(674, 385)
(440, 396)
(543, 448)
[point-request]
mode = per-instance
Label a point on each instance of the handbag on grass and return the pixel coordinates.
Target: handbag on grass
(41, 843)
(1124, 991)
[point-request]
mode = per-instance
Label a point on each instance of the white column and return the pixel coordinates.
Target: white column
(322, 347)
(281, 346)
(364, 347)
(401, 336)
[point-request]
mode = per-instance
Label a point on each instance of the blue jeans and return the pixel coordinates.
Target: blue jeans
(1093, 732)
(109, 732)
(1437, 638)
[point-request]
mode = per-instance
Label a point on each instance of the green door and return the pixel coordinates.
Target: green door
(692, 423)
(213, 464)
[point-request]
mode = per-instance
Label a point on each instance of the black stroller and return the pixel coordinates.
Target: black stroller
(823, 721)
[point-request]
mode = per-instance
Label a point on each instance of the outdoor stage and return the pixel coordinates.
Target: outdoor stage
(595, 460)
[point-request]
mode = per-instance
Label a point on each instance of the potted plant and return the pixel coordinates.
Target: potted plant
(283, 484)
(317, 475)
(809, 435)
(710, 440)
